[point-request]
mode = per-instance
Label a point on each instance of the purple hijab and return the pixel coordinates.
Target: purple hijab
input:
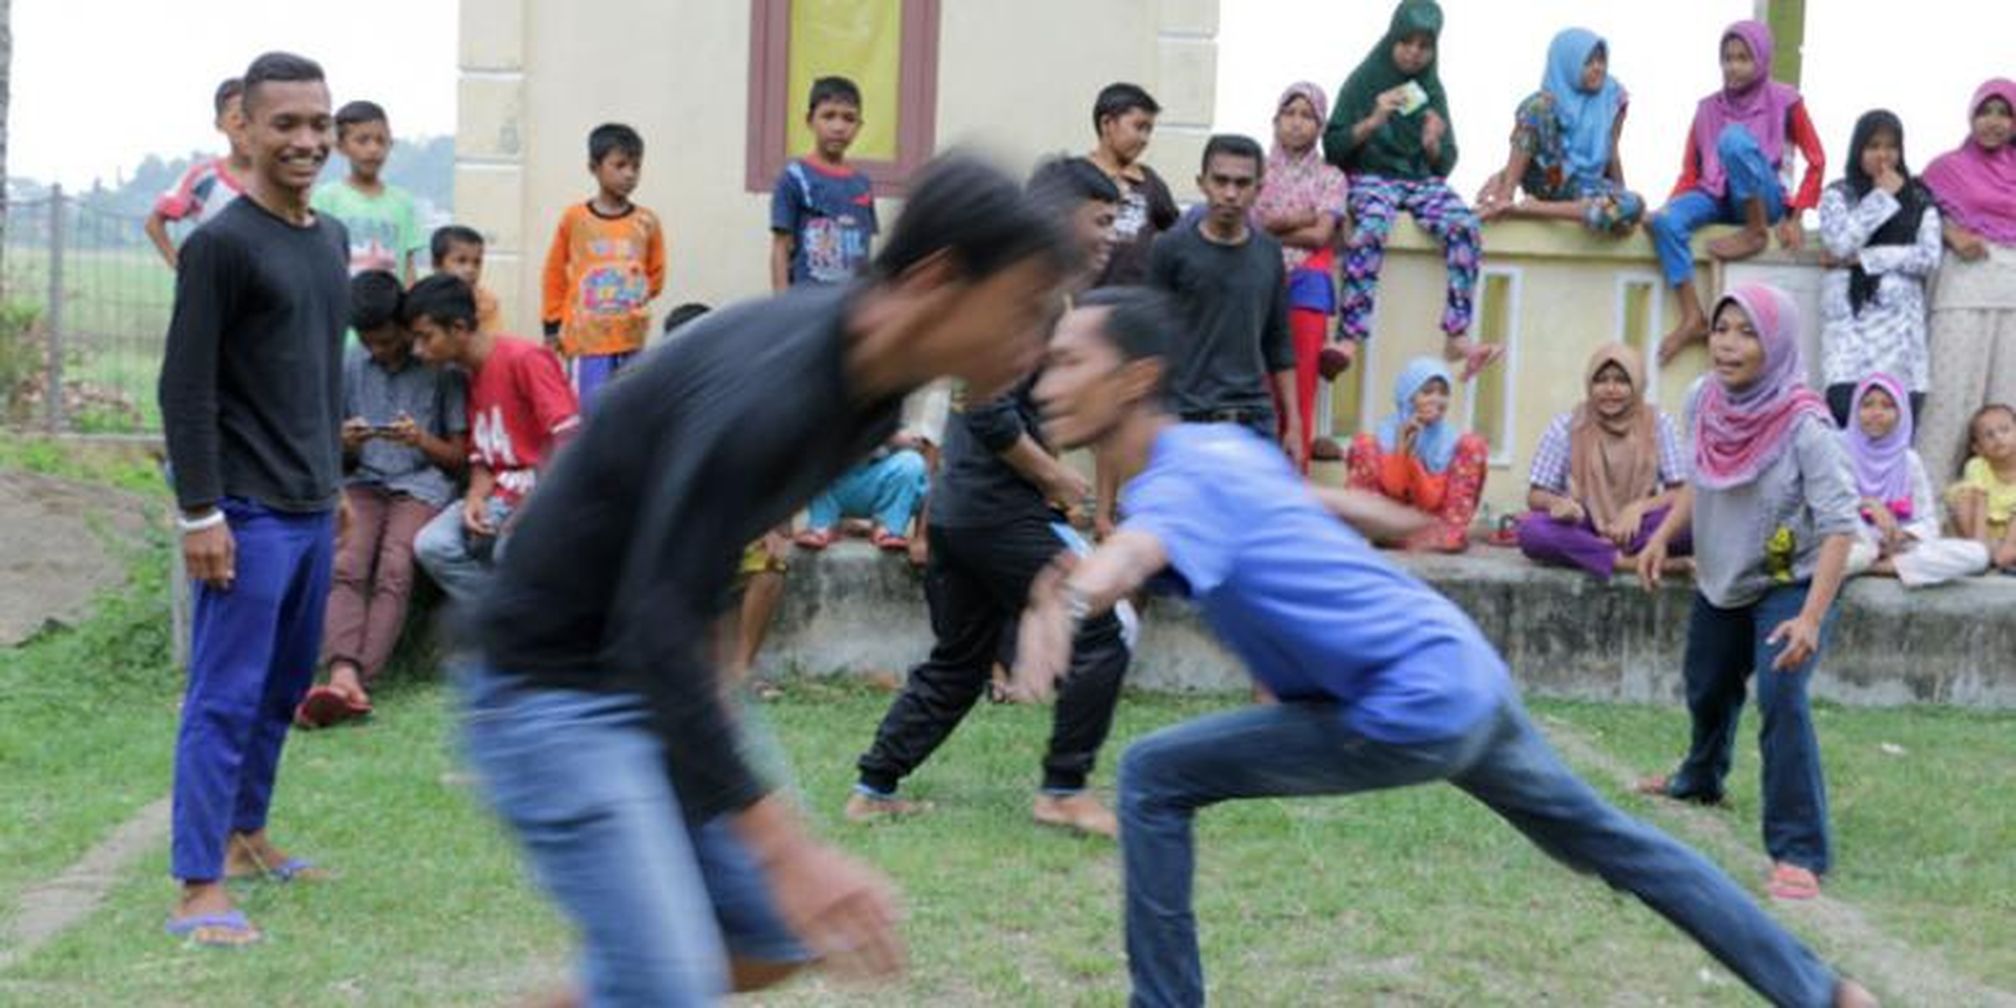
(1759, 107)
(1882, 465)
(1738, 433)
(1975, 187)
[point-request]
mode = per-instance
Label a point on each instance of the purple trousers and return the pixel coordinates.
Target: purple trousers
(1559, 544)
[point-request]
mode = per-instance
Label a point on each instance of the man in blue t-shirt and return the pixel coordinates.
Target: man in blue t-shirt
(822, 210)
(1382, 682)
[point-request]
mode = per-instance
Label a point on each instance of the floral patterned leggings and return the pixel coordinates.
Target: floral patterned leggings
(1375, 201)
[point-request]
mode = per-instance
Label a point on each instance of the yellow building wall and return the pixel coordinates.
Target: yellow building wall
(1015, 78)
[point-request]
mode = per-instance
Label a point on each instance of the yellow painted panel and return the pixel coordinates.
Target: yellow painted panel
(1494, 325)
(861, 40)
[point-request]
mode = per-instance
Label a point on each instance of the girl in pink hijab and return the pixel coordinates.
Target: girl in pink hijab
(1301, 202)
(1733, 173)
(1774, 513)
(1971, 336)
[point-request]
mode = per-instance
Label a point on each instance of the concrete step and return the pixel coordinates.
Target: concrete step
(853, 611)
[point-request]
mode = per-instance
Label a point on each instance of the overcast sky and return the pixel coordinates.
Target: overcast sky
(99, 84)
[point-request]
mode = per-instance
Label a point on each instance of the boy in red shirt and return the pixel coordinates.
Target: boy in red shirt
(606, 263)
(520, 411)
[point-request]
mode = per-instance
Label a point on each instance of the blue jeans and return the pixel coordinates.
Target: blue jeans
(1750, 176)
(1305, 749)
(1725, 648)
(581, 780)
(887, 489)
(252, 656)
(458, 561)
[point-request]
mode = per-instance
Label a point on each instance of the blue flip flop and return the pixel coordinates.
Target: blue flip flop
(233, 920)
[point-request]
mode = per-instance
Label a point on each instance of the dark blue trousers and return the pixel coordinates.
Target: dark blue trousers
(252, 657)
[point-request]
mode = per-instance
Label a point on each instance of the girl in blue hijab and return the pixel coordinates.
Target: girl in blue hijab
(1420, 458)
(1564, 144)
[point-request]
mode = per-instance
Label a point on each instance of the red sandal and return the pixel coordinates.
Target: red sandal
(890, 542)
(815, 539)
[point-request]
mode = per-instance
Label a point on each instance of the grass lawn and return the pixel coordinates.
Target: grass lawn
(1415, 897)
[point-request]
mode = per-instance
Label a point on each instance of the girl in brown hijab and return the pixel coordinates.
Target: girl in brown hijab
(1604, 474)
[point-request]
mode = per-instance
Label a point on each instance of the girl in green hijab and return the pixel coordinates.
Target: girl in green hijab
(1390, 133)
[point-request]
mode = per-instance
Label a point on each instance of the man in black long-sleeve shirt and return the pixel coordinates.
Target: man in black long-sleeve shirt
(593, 678)
(251, 403)
(998, 518)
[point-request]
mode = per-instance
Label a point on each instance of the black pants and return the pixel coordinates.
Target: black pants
(1841, 402)
(976, 585)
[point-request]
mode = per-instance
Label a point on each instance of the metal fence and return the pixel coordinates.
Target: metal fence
(84, 306)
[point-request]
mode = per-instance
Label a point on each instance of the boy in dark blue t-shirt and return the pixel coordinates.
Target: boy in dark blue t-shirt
(822, 210)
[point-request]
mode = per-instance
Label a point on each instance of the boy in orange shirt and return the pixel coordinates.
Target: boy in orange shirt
(606, 264)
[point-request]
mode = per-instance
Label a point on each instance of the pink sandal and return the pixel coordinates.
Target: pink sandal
(889, 541)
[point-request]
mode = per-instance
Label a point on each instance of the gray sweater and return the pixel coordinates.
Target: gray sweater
(1766, 533)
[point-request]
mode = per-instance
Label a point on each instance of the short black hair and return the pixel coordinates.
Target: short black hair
(1234, 145)
(611, 138)
(443, 299)
(279, 68)
(1060, 183)
(1138, 320)
(227, 89)
(375, 300)
(965, 206)
(837, 89)
(1118, 99)
(447, 236)
(683, 314)
(357, 113)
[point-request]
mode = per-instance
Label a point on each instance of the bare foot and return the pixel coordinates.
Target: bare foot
(1849, 994)
(1474, 356)
(347, 681)
(1079, 812)
(1693, 328)
(862, 808)
(1741, 245)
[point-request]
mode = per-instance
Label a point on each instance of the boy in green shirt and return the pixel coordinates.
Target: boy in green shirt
(383, 225)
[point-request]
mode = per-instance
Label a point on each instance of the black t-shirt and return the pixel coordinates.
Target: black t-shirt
(620, 563)
(252, 377)
(1146, 210)
(975, 486)
(1234, 299)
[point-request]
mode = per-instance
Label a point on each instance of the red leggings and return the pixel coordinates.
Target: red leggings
(1309, 329)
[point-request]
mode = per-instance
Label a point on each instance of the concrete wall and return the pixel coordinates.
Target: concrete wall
(536, 76)
(851, 611)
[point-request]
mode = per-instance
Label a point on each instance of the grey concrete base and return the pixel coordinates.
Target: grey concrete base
(850, 610)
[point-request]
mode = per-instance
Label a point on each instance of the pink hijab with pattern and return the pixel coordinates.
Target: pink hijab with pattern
(1301, 181)
(1739, 433)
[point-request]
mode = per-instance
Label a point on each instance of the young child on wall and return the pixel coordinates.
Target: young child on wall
(1900, 516)
(1736, 152)
(1391, 133)
(1984, 501)
(1564, 144)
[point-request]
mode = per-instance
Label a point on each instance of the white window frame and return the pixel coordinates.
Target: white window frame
(1655, 321)
(1501, 454)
